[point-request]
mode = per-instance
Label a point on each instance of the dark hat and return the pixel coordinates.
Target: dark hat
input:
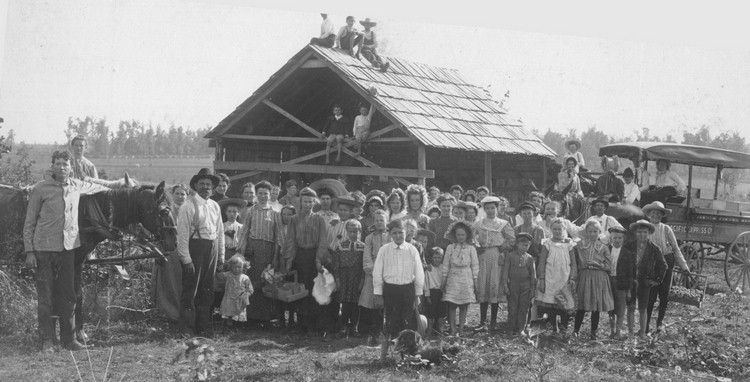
(524, 235)
(224, 203)
(527, 205)
(573, 142)
(628, 173)
(617, 229)
(346, 199)
(204, 173)
(600, 200)
(471, 193)
(568, 158)
(642, 223)
(427, 233)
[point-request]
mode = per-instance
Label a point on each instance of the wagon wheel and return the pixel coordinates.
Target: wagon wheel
(737, 264)
(695, 256)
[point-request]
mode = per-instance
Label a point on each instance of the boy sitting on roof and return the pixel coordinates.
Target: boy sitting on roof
(337, 129)
(348, 36)
(327, 33)
(368, 46)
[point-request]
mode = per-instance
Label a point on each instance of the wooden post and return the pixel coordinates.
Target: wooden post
(488, 170)
(219, 151)
(544, 173)
(719, 169)
(421, 163)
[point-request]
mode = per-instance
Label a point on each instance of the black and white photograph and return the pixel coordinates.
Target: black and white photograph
(228, 190)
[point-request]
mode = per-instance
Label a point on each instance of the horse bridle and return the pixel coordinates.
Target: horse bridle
(157, 212)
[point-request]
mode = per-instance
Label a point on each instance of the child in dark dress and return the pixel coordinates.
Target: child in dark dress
(347, 268)
(519, 281)
(435, 308)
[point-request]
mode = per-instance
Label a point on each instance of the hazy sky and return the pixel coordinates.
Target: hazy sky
(193, 62)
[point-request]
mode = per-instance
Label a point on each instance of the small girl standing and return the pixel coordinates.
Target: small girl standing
(460, 273)
(594, 290)
(347, 267)
(557, 269)
(237, 291)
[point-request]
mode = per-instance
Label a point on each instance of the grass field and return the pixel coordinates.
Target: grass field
(707, 344)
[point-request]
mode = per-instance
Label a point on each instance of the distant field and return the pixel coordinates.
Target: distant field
(171, 170)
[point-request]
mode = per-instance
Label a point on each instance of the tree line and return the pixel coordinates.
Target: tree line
(137, 138)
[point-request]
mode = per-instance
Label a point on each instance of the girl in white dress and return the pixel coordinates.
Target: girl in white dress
(460, 273)
(557, 270)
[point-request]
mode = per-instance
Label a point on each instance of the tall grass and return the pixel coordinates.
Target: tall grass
(17, 306)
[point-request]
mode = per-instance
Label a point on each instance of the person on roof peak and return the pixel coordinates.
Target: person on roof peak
(348, 37)
(368, 46)
(327, 33)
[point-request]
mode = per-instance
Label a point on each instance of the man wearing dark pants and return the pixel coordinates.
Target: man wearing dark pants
(51, 237)
(200, 246)
(398, 277)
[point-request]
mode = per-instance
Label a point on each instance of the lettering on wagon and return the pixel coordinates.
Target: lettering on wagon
(698, 230)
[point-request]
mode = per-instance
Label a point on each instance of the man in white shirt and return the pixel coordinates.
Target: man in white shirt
(598, 207)
(327, 33)
(200, 247)
(398, 278)
(632, 193)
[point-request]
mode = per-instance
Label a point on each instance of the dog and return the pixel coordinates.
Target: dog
(409, 344)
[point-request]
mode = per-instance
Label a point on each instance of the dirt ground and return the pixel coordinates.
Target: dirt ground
(707, 344)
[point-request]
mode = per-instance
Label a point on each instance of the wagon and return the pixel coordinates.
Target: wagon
(707, 229)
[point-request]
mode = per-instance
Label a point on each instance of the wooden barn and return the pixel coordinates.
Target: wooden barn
(431, 127)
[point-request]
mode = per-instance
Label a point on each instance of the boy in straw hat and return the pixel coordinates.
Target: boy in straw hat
(650, 267)
(664, 238)
(518, 281)
(199, 231)
(368, 46)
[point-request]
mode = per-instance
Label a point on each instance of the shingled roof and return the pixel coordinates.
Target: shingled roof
(435, 106)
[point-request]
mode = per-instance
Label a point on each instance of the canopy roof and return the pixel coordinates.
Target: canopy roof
(678, 153)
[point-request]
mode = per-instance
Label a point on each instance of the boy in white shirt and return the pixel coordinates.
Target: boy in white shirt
(362, 126)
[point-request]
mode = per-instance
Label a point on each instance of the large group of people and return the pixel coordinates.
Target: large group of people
(394, 257)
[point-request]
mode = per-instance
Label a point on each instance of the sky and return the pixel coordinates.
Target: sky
(667, 67)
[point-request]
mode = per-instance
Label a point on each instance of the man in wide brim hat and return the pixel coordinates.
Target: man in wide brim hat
(642, 223)
(204, 173)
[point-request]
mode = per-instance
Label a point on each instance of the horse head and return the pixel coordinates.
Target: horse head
(155, 215)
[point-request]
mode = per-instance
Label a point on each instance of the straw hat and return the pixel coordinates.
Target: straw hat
(600, 200)
(368, 22)
(573, 142)
(224, 203)
(346, 199)
(658, 206)
(642, 223)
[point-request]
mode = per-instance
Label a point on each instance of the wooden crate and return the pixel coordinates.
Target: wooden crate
(283, 290)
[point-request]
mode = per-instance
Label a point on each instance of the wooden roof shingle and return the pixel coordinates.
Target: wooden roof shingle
(436, 106)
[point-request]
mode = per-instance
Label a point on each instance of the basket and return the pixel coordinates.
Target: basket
(286, 291)
(688, 288)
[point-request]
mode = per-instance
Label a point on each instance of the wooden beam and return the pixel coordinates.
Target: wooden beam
(271, 138)
(324, 169)
(313, 63)
(243, 175)
(257, 98)
(488, 170)
(292, 118)
(544, 173)
(304, 139)
(421, 163)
